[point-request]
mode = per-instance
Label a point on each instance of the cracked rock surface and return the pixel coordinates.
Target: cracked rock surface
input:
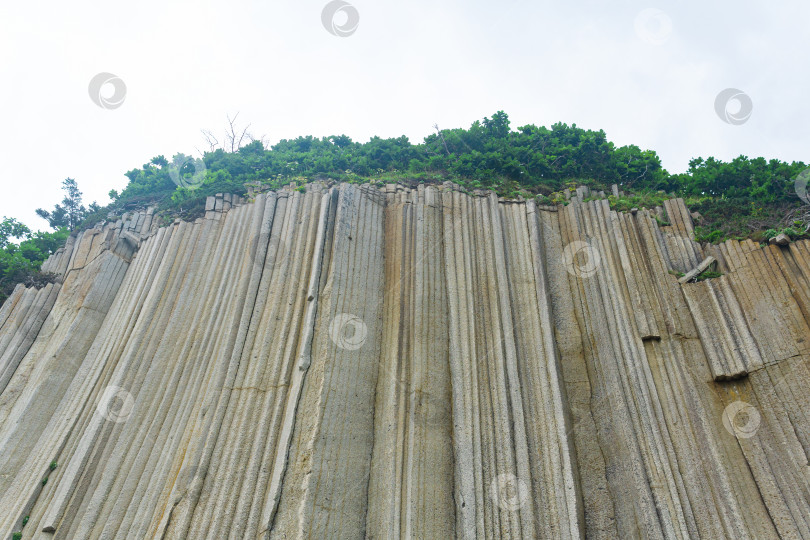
(362, 362)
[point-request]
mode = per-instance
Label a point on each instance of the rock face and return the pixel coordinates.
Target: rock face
(355, 362)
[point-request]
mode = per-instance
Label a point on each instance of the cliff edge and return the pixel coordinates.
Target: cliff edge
(363, 362)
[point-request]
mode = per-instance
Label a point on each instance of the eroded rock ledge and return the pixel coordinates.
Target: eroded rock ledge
(355, 362)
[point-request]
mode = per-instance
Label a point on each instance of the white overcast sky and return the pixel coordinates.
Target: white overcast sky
(650, 81)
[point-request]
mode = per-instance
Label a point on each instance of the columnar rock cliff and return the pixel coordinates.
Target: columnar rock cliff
(355, 362)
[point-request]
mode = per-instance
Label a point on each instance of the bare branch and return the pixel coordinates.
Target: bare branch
(210, 140)
(233, 136)
(441, 136)
(242, 137)
(234, 139)
(230, 134)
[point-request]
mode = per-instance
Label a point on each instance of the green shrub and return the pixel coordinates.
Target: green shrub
(705, 234)
(644, 199)
(737, 199)
(708, 274)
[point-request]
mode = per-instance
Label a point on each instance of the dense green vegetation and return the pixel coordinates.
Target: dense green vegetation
(742, 198)
(487, 155)
(20, 262)
(23, 251)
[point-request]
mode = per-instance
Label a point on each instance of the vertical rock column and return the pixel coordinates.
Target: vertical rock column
(767, 410)
(641, 469)
(23, 314)
(514, 467)
(324, 492)
(411, 486)
(33, 425)
(253, 441)
(163, 357)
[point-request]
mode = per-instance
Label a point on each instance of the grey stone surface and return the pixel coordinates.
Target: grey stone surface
(355, 362)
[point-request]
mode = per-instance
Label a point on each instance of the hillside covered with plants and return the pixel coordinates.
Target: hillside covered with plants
(746, 197)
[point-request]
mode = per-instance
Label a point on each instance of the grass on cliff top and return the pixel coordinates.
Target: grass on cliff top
(721, 219)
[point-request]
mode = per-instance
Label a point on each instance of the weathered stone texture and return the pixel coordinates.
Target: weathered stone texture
(355, 362)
